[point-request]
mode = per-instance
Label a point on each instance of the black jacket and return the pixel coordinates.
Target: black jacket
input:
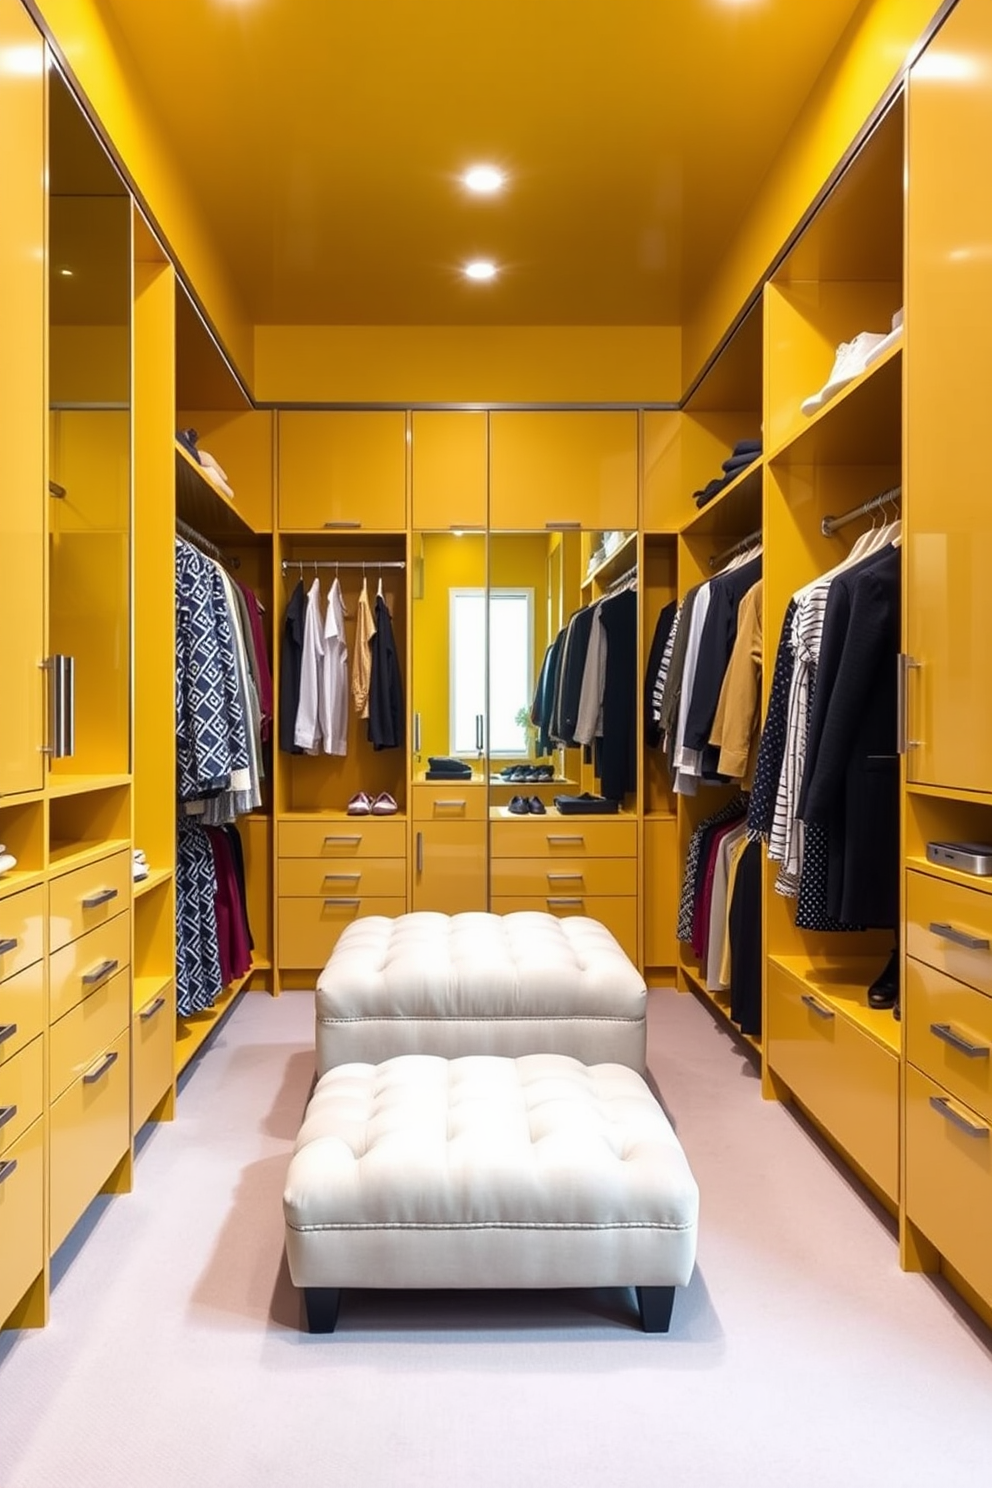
(385, 687)
(291, 665)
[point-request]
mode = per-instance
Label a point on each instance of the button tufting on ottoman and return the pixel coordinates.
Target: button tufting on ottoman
(488, 1172)
(479, 984)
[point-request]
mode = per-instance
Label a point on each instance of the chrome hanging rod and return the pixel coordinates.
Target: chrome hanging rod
(205, 545)
(302, 563)
(751, 541)
(625, 578)
(830, 525)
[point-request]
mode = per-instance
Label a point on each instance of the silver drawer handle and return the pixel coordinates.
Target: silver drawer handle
(342, 522)
(563, 903)
(7, 1113)
(556, 877)
(941, 1105)
(8, 945)
(105, 1063)
(99, 973)
(356, 838)
(461, 804)
(7, 1030)
(816, 1007)
(959, 937)
(333, 903)
(350, 876)
(103, 896)
(552, 838)
(6, 1168)
(561, 526)
(152, 1009)
(957, 1041)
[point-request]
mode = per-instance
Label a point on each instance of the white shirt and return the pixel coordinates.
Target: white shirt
(334, 676)
(307, 734)
(688, 762)
(589, 724)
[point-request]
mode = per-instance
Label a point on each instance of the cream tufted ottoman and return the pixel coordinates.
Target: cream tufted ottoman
(488, 1172)
(479, 984)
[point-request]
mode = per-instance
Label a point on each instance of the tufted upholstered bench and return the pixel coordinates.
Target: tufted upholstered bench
(487, 1171)
(511, 984)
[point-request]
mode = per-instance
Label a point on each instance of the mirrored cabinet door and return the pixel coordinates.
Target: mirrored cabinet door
(448, 691)
(89, 349)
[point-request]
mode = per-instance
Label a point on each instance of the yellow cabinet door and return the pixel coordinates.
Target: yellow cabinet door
(22, 401)
(449, 866)
(22, 1216)
(342, 472)
(551, 469)
(661, 892)
(450, 470)
(90, 1133)
(948, 542)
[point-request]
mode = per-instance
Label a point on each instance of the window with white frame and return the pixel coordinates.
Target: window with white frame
(511, 669)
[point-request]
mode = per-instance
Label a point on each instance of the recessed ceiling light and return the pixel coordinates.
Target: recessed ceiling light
(66, 273)
(481, 269)
(484, 179)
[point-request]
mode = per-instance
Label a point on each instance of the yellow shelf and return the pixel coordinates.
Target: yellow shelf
(503, 813)
(155, 877)
(65, 855)
(22, 798)
(949, 793)
(619, 561)
(736, 510)
(146, 988)
(339, 815)
(78, 785)
(204, 507)
(420, 778)
(18, 878)
(861, 425)
(720, 1001)
(193, 1032)
(950, 875)
(660, 816)
(844, 987)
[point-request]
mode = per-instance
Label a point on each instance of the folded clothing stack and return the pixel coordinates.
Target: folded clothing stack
(743, 454)
(7, 860)
(586, 805)
(444, 767)
(212, 470)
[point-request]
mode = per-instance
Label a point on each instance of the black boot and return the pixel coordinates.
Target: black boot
(884, 990)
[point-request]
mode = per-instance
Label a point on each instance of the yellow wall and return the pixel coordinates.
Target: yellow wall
(98, 59)
(878, 42)
(467, 364)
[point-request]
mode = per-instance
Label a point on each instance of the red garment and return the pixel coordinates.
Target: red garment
(232, 929)
(265, 698)
(704, 898)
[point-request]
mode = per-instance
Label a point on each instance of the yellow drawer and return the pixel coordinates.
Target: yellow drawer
(619, 914)
(90, 1133)
(950, 927)
(87, 897)
(309, 928)
(303, 877)
(564, 876)
(22, 1009)
(83, 964)
(153, 1043)
(847, 1081)
(949, 1178)
(349, 837)
(949, 1034)
(22, 1216)
(81, 1036)
(460, 801)
(21, 931)
(21, 1092)
(564, 837)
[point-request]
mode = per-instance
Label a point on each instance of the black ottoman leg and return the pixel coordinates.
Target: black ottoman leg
(322, 1305)
(656, 1307)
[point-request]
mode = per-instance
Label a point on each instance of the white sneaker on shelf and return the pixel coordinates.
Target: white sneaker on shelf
(7, 862)
(850, 361)
(886, 341)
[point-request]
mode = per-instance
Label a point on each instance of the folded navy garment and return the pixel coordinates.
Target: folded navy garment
(448, 765)
(187, 438)
(709, 491)
(586, 804)
(465, 774)
(736, 463)
(747, 447)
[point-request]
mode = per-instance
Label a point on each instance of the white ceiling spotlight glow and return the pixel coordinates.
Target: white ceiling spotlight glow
(484, 179)
(481, 270)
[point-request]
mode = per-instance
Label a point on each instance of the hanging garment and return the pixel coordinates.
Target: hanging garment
(573, 671)
(705, 885)
(334, 676)
(234, 951)
(386, 690)
(238, 858)
(261, 652)
(618, 752)
(716, 646)
(672, 695)
(736, 853)
(540, 710)
(738, 711)
(660, 649)
(365, 628)
(746, 954)
(589, 724)
(212, 748)
(771, 749)
(290, 667)
(307, 733)
(731, 810)
(198, 975)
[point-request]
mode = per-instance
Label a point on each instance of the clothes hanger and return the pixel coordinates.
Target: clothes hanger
(379, 593)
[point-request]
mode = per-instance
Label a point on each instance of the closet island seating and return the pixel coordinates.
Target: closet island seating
(485, 1172)
(452, 985)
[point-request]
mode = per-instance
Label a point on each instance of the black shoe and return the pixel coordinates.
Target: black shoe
(536, 806)
(518, 806)
(884, 990)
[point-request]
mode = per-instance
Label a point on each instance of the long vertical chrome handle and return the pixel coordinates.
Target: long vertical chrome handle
(479, 732)
(61, 706)
(905, 665)
(416, 733)
(420, 852)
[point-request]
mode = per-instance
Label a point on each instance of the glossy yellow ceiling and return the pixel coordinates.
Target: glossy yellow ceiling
(324, 141)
